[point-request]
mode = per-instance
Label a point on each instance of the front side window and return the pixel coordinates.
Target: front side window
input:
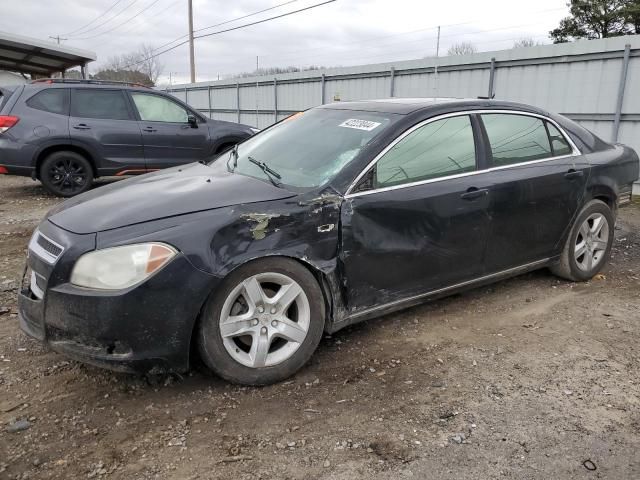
(308, 149)
(437, 149)
(53, 100)
(516, 138)
(154, 108)
(98, 103)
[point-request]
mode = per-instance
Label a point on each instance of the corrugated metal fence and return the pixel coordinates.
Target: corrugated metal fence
(596, 83)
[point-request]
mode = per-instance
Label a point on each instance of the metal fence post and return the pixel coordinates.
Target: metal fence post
(186, 95)
(322, 87)
(238, 99)
(209, 98)
(275, 100)
(620, 99)
(392, 82)
(492, 78)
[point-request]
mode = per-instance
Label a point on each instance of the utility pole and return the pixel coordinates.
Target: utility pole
(436, 65)
(58, 38)
(191, 53)
(257, 91)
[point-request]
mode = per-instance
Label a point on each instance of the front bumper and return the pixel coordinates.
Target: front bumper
(144, 329)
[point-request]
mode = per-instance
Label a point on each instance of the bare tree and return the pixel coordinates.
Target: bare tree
(148, 64)
(138, 67)
(526, 42)
(463, 48)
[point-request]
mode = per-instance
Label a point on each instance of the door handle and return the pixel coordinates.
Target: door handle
(82, 126)
(472, 193)
(149, 129)
(571, 174)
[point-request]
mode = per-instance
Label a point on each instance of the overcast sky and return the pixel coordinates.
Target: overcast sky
(345, 32)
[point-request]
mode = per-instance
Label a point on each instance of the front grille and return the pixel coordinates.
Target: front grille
(49, 246)
(45, 248)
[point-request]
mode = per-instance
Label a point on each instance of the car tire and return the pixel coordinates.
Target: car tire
(66, 173)
(263, 323)
(588, 245)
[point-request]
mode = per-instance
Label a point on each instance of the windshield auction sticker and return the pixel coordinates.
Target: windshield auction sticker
(359, 124)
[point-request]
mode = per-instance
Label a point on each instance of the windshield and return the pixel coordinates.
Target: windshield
(308, 149)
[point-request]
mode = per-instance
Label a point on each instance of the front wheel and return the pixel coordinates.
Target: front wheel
(264, 322)
(589, 243)
(66, 174)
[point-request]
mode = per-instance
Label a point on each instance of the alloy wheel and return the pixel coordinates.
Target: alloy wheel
(591, 242)
(264, 320)
(67, 175)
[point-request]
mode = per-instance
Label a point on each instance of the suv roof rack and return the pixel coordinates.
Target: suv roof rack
(86, 81)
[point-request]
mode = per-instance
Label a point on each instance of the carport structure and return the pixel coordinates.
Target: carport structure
(37, 57)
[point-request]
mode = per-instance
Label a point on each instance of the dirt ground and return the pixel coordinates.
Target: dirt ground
(529, 378)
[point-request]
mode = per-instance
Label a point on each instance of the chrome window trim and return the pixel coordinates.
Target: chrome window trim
(574, 152)
(41, 252)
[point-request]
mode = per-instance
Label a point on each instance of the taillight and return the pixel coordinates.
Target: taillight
(6, 122)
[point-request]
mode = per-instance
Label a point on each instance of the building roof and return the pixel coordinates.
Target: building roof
(30, 55)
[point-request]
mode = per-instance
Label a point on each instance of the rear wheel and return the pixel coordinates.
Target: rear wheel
(66, 174)
(589, 244)
(263, 323)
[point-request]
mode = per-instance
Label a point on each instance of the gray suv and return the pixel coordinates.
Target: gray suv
(68, 132)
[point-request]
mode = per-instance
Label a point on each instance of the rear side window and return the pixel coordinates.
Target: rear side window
(98, 103)
(559, 144)
(437, 149)
(53, 100)
(516, 138)
(5, 94)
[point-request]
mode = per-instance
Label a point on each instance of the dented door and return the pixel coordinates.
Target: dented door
(411, 240)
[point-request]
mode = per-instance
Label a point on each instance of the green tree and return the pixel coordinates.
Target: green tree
(632, 15)
(598, 19)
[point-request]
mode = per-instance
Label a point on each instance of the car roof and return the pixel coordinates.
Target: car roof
(405, 106)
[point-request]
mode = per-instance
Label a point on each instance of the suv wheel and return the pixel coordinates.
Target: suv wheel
(263, 323)
(66, 174)
(589, 244)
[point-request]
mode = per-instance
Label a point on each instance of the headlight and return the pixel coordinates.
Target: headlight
(120, 267)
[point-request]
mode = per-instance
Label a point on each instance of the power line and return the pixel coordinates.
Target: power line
(58, 38)
(120, 24)
(138, 24)
(372, 42)
(226, 22)
(262, 21)
(434, 27)
(107, 20)
(97, 18)
(229, 30)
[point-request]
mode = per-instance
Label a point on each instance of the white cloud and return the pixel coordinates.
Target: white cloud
(346, 32)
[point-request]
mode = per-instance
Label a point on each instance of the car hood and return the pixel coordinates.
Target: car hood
(167, 193)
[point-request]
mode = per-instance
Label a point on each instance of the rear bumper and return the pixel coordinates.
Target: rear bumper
(16, 170)
(15, 157)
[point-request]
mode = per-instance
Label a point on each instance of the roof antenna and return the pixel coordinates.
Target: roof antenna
(487, 98)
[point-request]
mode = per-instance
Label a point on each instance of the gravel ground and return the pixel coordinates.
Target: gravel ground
(529, 378)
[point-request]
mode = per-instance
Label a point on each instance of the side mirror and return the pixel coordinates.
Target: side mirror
(192, 121)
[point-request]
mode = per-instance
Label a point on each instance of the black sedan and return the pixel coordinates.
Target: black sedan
(336, 215)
